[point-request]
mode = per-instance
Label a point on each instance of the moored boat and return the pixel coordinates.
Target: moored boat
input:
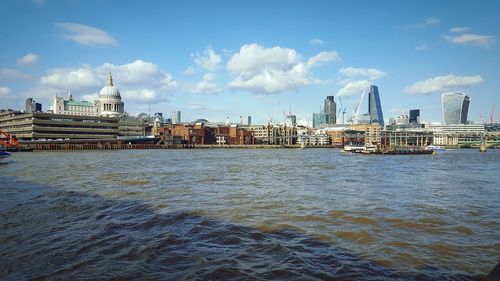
(4, 155)
(435, 148)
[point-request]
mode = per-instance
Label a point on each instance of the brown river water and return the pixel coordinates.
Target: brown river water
(256, 214)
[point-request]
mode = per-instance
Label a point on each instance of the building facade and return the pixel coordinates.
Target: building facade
(330, 108)
(455, 108)
(109, 104)
(50, 126)
(372, 132)
(375, 107)
(175, 117)
(414, 116)
(32, 106)
(320, 120)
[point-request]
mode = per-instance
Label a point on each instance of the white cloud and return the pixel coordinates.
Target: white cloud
(86, 35)
(421, 47)
(28, 59)
(139, 81)
(354, 88)
(144, 95)
(443, 83)
(459, 29)
(90, 97)
(323, 57)
(70, 79)
(8, 74)
(210, 60)
(168, 82)
(428, 22)
(272, 70)
(205, 86)
(136, 72)
(471, 39)
(316, 41)
(189, 71)
(370, 73)
(4, 91)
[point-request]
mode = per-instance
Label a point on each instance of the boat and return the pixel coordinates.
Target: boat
(367, 148)
(435, 148)
(4, 155)
(403, 150)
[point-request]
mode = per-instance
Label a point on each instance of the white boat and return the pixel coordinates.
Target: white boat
(368, 148)
(435, 148)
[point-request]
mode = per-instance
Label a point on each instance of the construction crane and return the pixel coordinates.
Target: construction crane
(274, 112)
(355, 114)
(342, 110)
(7, 141)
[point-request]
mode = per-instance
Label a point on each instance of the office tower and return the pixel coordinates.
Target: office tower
(402, 119)
(175, 116)
(455, 108)
(374, 106)
(414, 116)
(290, 120)
(28, 103)
(320, 120)
(32, 106)
(330, 109)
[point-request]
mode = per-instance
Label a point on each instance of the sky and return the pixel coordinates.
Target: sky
(219, 59)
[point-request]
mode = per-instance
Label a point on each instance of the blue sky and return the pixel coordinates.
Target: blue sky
(212, 59)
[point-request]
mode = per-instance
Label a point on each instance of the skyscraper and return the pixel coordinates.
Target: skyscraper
(175, 116)
(320, 120)
(374, 106)
(330, 109)
(290, 119)
(455, 108)
(32, 106)
(414, 116)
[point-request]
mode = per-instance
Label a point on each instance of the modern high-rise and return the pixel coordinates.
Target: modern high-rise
(320, 120)
(414, 116)
(455, 108)
(175, 116)
(249, 120)
(330, 109)
(32, 106)
(374, 106)
(290, 120)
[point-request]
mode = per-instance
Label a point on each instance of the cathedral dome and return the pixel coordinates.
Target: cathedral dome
(110, 101)
(109, 92)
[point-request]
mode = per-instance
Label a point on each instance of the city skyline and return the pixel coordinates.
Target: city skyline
(217, 59)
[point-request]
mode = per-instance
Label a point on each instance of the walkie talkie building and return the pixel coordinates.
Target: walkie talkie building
(455, 108)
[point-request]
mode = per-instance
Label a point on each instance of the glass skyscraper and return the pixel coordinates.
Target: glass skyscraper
(330, 109)
(374, 106)
(175, 116)
(320, 120)
(455, 108)
(414, 116)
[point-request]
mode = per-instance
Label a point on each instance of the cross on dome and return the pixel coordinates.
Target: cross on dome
(110, 81)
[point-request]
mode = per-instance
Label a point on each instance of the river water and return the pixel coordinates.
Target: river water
(293, 214)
